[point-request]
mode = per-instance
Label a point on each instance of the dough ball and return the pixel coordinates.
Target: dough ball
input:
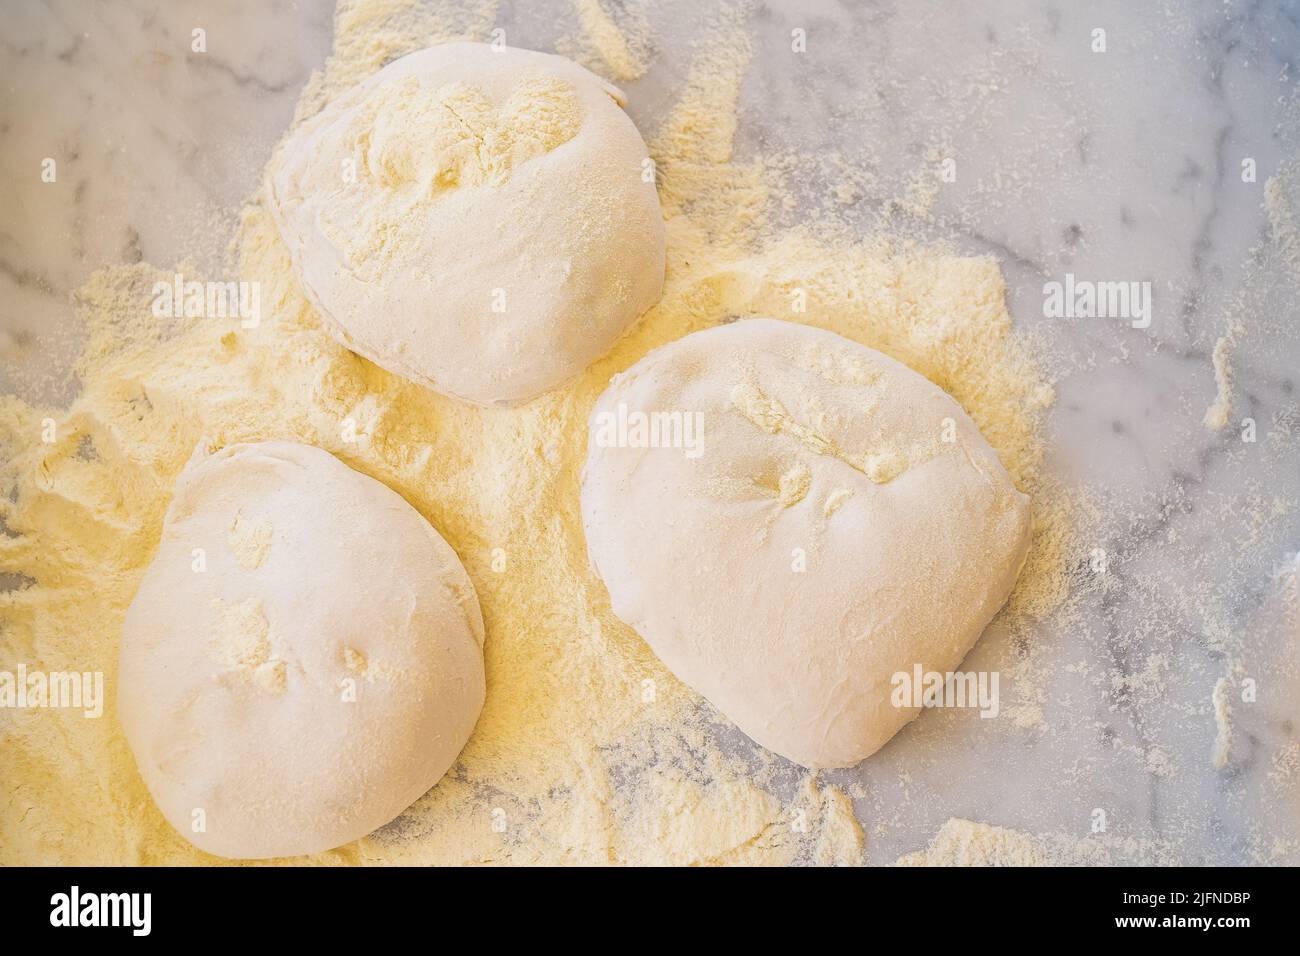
(479, 222)
(304, 657)
(775, 510)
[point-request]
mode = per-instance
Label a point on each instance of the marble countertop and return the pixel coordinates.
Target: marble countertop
(1128, 165)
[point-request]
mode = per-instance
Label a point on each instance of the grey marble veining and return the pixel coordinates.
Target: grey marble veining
(1123, 165)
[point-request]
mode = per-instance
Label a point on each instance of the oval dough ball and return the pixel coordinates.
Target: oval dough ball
(479, 222)
(304, 657)
(805, 538)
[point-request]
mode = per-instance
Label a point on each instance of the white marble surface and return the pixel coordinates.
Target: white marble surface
(1123, 165)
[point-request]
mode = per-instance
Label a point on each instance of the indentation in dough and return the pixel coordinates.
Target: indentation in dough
(884, 466)
(241, 643)
(835, 499)
(793, 485)
(771, 416)
(270, 677)
(355, 661)
(435, 139)
(250, 540)
(767, 413)
(418, 142)
(835, 366)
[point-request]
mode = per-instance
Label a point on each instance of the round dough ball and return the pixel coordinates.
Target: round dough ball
(477, 221)
(806, 537)
(304, 657)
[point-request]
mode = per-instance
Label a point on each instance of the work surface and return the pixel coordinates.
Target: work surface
(1166, 160)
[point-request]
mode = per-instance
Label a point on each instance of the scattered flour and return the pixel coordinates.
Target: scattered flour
(1216, 416)
(587, 751)
(1222, 750)
(963, 843)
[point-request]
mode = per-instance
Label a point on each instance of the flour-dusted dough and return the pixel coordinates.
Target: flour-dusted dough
(303, 659)
(817, 454)
(482, 222)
